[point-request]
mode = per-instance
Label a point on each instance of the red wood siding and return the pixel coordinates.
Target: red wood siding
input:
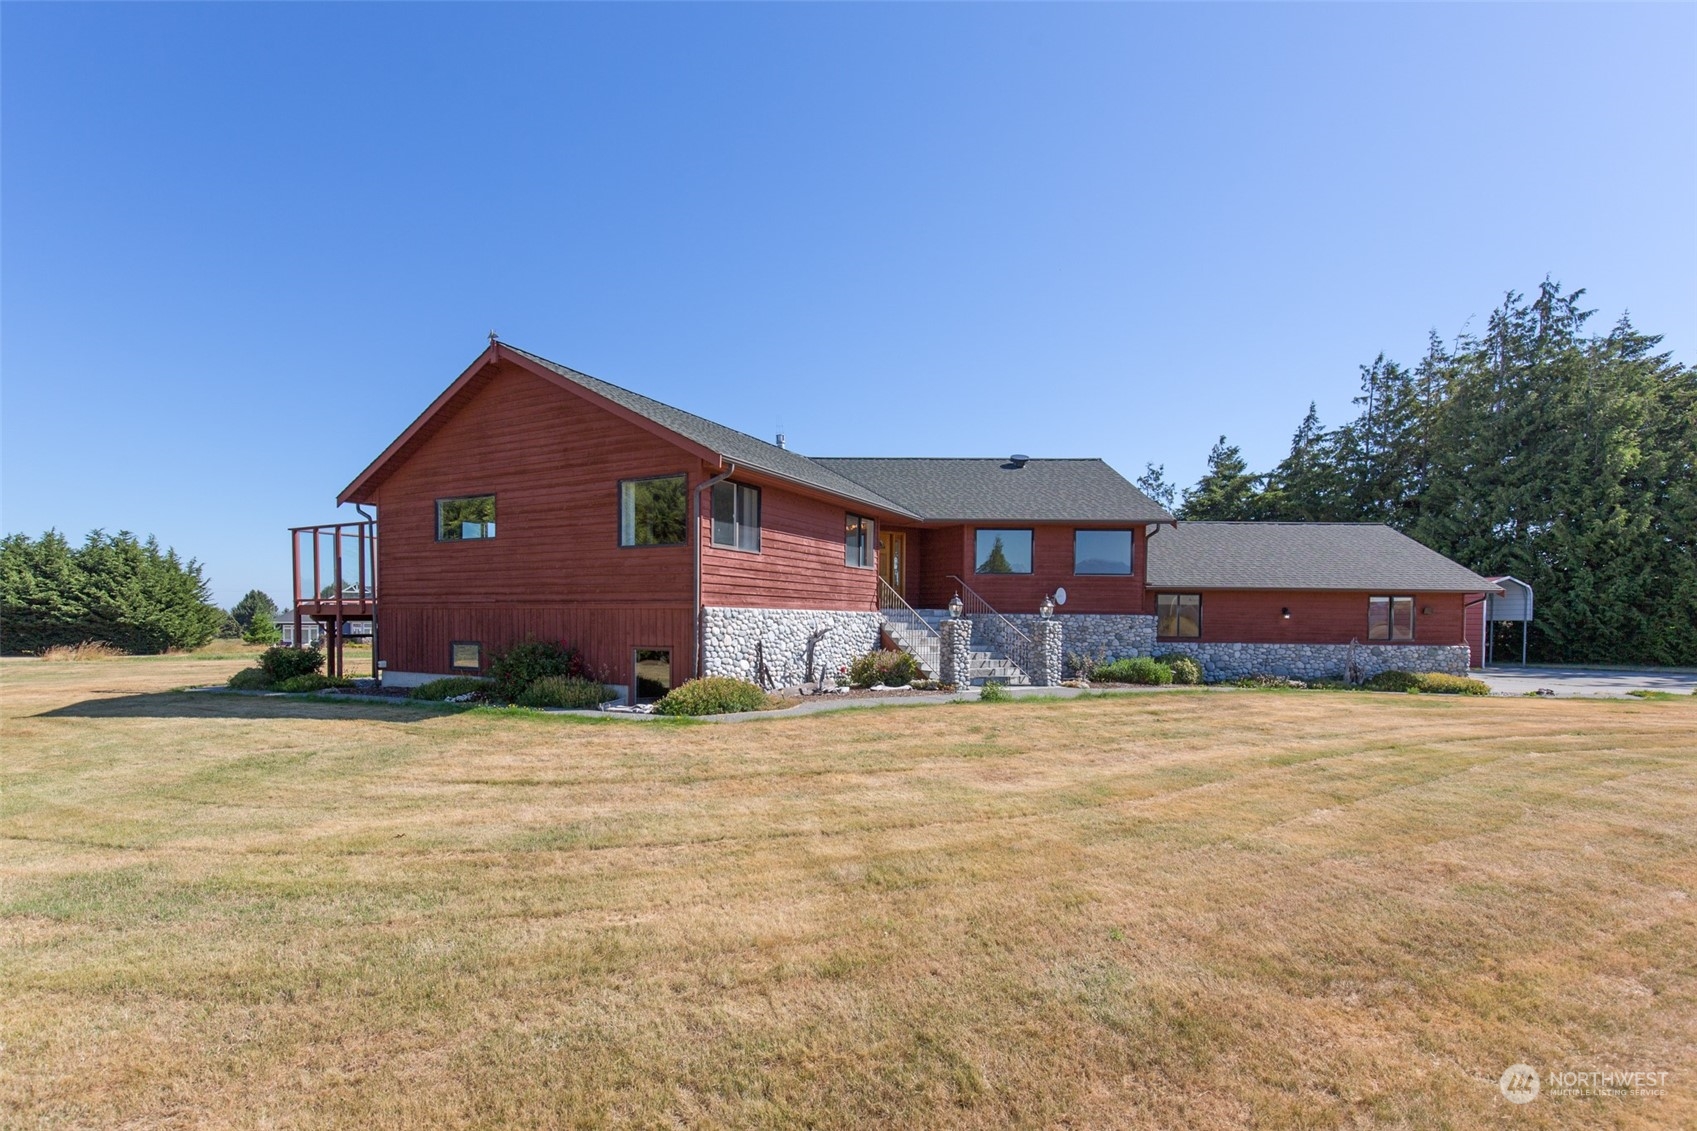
(1476, 630)
(800, 563)
(951, 550)
(939, 555)
(553, 461)
(1251, 616)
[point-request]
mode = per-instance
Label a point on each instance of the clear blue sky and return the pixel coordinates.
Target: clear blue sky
(244, 245)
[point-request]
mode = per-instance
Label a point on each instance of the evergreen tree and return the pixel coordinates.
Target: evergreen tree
(263, 630)
(1153, 482)
(1304, 486)
(256, 603)
(996, 561)
(1225, 491)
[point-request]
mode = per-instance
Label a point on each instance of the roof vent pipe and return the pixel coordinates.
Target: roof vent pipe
(782, 442)
(1018, 460)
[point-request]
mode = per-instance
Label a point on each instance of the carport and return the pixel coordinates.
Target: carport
(1514, 603)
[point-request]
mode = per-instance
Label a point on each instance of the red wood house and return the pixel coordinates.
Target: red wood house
(531, 500)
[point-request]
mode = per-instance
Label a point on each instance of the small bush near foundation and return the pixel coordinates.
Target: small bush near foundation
(925, 685)
(251, 679)
(1185, 668)
(78, 653)
(711, 695)
(994, 691)
(564, 691)
(284, 662)
(451, 687)
(1437, 683)
(523, 664)
(1137, 669)
(1392, 681)
(890, 668)
(312, 681)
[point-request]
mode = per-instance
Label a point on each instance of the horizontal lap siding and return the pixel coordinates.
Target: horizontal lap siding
(1051, 569)
(800, 563)
(555, 569)
(1245, 616)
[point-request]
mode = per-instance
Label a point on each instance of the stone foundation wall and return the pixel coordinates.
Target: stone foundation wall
(1318, 661)
(732, 633)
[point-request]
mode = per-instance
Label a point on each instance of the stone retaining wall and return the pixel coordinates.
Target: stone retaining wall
(1318, 661)
(731, 634)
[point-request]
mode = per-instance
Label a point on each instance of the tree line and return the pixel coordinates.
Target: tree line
(1537, 448)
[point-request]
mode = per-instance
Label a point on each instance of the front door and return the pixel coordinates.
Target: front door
(892, 559)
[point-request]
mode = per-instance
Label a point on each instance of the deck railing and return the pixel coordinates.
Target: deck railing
(923, 640)
(330, 588)
(1020, 649)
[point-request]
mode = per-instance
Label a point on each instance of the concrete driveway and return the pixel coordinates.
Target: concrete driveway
(1512, 679)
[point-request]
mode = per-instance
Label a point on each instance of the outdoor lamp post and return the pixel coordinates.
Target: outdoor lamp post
(955, 606)
(1047, 608)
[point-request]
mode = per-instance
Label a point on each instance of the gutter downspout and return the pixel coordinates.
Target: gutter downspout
(700, 617)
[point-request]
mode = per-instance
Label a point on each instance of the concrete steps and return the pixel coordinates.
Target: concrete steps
(988, 662)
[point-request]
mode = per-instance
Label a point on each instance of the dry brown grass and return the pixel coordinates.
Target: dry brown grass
(1222, 909)
(79, 653)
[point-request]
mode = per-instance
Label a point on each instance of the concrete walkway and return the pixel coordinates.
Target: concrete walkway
(1512, 679)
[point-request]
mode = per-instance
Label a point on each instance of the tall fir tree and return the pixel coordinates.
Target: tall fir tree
(1226, 490)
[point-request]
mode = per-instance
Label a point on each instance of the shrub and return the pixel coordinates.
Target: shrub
(77, 653)
(251, 679)
(925, 685)
(284, 662)
(312, 681)
(1185, 668)
(994, 691)
(450, 687)
(262, 630)
(523, 664)
(1136, 669)
(711, 695)
(890, 668)
(564, 691)
(1392, 681)
(1437, 683)
(1268, 681)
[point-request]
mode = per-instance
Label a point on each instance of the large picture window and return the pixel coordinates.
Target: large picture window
(1101, 551)
(1178, 616)
(652, 511)
(1003, 551)
(736, 516)
(463, 519)
(857, 542)
(1390, 618)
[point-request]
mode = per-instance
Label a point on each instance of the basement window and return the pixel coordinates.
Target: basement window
(464, 519)
(1390, 618)
(651, 511)
(465, 656)
(736, 516)
(1178, 616)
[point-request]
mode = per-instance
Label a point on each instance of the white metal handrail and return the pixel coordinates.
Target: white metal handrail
(917, 628)
(975, 605)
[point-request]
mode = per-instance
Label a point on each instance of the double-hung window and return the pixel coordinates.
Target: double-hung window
(736, 516)
(463, 519)
(1178, 616)
(857, 542)
(652, 511)
(1390, 618)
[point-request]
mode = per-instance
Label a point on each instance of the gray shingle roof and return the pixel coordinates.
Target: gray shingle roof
(738, 447)
(1301, 555)
(1043, 490)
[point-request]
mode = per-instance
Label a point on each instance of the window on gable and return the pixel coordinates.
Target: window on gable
(1178, 615)
(466, 518)
(651, 511)
(736, 516)
(1390, 618)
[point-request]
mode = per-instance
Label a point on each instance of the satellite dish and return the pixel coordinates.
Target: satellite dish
(1060, 596)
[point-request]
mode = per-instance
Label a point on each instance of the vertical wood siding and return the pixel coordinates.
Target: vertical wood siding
(1251, 616)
